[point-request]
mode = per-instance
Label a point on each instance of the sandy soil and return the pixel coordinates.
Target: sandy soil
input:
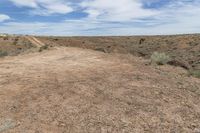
(80, 91)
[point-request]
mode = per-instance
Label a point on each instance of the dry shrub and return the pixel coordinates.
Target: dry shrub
(160, 58)
(3, 53)
(43, 48)
(195, 73)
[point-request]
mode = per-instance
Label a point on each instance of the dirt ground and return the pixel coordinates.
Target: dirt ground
(84, 91)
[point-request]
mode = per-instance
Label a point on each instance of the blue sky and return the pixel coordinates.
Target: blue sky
(99, 17)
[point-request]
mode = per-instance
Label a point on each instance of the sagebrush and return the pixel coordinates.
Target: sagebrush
(195, 73)
(160, 58)
(3, 53)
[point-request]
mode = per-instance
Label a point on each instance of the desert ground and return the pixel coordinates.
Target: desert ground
(99, 85)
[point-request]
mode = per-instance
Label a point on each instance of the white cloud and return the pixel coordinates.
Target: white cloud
(129, 17)
(118, 10)
(4, 17)
(45, 7)
(27, 3)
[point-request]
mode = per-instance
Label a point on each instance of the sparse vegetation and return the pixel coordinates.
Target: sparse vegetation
(195, 73)
(3, 53)
(160, 58)
(43, 48)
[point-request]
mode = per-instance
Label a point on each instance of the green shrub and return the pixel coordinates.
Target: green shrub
(3, 53)
(195, 73)
(160, 58)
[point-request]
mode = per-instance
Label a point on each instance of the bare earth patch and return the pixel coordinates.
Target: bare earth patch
(78, 90)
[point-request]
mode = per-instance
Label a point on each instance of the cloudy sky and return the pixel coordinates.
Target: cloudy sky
(99, 17)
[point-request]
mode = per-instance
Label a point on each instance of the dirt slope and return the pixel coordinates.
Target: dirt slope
(34, 41)
(77, 90)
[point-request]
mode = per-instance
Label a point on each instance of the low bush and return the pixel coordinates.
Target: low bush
(43, 48)
(3, 53)
(160, 58)
(195, 73)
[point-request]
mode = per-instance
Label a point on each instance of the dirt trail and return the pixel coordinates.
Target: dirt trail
(35, 41)
(76, 90)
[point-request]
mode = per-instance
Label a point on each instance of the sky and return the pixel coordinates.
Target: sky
(99, 17)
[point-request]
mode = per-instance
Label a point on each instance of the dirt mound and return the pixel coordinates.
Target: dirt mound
(14, 45)
(77, 90)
